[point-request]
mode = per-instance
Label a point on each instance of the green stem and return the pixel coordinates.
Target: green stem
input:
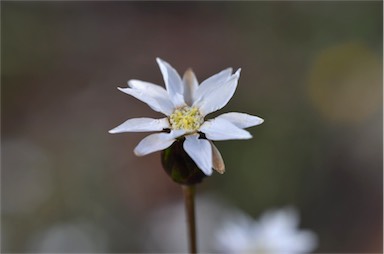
(189, 198)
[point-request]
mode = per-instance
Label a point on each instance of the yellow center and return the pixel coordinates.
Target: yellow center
(186, 118)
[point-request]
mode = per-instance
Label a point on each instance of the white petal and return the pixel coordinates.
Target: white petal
(172, 82)
(218, 95)
(220, 129)
(304, 241)
(217, 159)
(241, 120)
(150, 88)
(156, 142)
(190, 86)
(158, 104)
(200, 151)
(211, 83)
(141, 125)
(156, 92)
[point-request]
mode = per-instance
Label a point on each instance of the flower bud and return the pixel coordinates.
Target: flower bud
(179, 166)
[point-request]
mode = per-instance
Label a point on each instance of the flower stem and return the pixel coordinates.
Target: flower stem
(189, 198)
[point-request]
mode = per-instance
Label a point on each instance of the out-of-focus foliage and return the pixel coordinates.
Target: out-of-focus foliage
(312, 70)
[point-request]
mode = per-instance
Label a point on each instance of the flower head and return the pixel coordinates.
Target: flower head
(185, 104)
(276, 232)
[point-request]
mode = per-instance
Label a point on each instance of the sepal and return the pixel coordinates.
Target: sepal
(179, 166)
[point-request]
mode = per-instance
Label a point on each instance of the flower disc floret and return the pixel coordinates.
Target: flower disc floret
(186, 118)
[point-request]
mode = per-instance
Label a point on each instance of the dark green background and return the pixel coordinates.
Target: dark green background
(312, 70)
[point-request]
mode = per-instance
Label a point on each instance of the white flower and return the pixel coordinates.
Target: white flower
(185, 104)
(275, 233)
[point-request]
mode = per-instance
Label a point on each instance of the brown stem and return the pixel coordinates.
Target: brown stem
(189, 198)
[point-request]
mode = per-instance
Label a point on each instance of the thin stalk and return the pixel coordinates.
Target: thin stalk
(189, 198)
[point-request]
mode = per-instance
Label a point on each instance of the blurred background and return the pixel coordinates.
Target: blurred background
(312, 70)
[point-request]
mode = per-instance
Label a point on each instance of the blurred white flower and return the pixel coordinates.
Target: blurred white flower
(275, 233)
(185, 104)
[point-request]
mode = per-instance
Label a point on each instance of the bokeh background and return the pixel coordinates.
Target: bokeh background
(312, 70)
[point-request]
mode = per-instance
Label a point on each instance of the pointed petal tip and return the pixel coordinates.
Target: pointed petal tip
(135, 152)
(121, 89)
(115, 130)
(222, 172)
(189, 75)
(258, 121)
(139, 153)
(159, 60)
(208, 172)
(248, 135)
(219, 168)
